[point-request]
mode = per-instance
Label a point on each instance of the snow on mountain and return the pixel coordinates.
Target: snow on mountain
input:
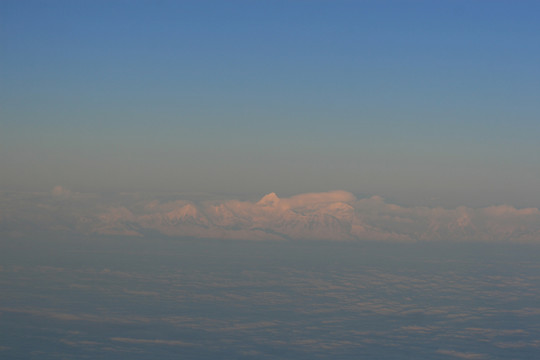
(269, 200)
(335, 215)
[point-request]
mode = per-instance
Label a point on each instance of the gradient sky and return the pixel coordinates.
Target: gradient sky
(421, 102)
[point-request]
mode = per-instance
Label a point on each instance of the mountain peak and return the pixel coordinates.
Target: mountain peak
(269, 200)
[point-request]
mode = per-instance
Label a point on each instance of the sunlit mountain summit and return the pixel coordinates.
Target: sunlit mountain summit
(270, 199)
(334, 215)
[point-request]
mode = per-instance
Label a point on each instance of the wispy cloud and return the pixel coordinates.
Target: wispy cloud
(152, 341)
(461, 355)
(60, 191)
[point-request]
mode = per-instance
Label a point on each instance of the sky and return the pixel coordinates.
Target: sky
(424, 103)
(269, 179)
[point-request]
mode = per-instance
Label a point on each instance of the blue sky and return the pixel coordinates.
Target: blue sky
(420, 102)
(139, 140)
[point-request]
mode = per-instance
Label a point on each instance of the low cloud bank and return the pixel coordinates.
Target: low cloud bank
(335, 215)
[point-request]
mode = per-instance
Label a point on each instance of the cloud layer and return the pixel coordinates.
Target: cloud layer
(335, 215)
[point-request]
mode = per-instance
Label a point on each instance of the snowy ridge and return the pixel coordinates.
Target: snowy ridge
(336, 215)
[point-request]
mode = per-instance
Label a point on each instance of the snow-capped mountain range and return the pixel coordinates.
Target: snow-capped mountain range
(336, 215)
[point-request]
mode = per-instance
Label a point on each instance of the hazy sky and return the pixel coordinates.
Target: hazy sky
(140, 140)
(421, 102)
